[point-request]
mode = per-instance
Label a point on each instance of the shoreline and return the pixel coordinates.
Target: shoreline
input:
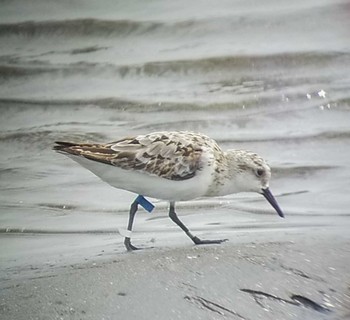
(293, 275)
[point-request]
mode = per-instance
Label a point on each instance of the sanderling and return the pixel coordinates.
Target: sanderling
(172, 166)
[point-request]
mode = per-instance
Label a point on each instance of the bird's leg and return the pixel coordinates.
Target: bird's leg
(173, 216)
(127, 241)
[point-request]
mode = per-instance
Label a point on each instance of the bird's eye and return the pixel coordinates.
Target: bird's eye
(260, 172)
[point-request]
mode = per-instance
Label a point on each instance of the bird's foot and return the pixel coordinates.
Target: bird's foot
(129, 246)
(196, 240)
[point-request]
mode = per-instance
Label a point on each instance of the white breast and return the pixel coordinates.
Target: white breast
(148, 185)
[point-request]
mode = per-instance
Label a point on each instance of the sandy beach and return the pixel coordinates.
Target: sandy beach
(294, 273)
(272, 77)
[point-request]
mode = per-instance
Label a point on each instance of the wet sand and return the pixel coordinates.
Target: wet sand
(295, 273)
(271, 77)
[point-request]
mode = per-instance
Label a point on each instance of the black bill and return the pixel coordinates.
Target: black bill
(270, 198)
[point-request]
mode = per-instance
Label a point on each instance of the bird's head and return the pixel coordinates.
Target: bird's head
(252, 174)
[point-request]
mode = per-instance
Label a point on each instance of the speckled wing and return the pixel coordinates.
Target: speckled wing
(168, 156)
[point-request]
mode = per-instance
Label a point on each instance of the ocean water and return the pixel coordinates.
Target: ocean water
(268, 76)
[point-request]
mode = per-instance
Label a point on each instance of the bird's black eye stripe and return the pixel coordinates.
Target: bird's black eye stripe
(260, 172)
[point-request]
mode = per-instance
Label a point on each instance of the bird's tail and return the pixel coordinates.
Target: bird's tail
(62, 145)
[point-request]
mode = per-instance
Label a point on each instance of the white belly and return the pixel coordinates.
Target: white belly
(148, 185)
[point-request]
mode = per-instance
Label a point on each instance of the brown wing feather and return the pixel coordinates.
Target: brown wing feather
(96, 152)
(163, 155)
(167, 155)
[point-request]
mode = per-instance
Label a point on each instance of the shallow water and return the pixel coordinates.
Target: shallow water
(272, 77)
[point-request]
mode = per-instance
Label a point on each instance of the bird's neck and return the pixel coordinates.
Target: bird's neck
(226, 177)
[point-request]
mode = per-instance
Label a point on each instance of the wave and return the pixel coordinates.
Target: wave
(293, 170)
(38, 134)
(43, 139)
(79, 27)
(118, 104)
(234, 63)
(225, 23)
(11, 66)
(326, 135)
(113, 103)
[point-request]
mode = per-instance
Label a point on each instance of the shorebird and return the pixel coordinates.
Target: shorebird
(172, 166)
